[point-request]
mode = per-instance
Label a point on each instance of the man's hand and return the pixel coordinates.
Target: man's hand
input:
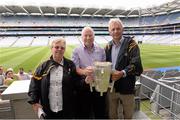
(116, 75)
(36, 106)
(89, 79)
(88, 71)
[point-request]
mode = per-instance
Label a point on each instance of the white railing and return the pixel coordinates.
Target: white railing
(165, 97)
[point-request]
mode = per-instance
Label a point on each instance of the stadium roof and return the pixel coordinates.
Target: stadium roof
(91, 10)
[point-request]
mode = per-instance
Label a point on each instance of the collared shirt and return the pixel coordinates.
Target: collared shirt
(83, 58)
(114, 54)
(55, 88)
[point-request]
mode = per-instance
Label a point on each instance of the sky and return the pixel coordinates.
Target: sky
(114, 4)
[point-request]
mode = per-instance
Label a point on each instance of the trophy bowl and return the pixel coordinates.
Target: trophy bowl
(102, 73)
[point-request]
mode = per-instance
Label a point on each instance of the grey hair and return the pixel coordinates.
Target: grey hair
(87, 27)
(58, 40)
(117, 20)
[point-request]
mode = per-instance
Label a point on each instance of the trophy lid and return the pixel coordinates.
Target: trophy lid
(103, 64)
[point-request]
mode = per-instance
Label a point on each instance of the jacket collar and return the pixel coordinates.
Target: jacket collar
(56, 63)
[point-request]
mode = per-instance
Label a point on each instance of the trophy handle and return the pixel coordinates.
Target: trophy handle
(91, 87)
(92, 84)
(111, 86)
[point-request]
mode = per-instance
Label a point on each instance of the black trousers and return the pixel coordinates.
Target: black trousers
(55, 115)
(90, 105)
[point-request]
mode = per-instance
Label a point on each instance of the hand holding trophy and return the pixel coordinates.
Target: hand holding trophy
(89, 71)
(102, 73)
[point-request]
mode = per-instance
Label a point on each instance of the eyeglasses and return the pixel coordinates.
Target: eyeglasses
(59, 47)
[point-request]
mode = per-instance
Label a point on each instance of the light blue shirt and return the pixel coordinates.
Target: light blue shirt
(84, 58)
(114, 54)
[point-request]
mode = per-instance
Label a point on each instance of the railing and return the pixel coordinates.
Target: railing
(164, 96)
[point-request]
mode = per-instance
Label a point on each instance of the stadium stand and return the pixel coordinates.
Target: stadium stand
(100, 40)
(8, 41)
(72, 40)
(20, 42)
(39, 25)
(159, 29)
(40, 41)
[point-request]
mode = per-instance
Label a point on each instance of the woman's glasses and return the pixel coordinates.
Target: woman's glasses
(59, 47)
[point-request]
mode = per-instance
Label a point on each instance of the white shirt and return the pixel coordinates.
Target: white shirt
(1, 79)
(55, 88)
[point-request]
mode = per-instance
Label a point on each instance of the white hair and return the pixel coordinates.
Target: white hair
(117, 20)
(87, 28)
(58, 40)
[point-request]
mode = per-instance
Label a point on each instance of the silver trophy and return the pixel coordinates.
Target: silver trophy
(102, 73)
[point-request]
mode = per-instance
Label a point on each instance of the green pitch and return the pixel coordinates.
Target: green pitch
(157, 56)
(153, 56)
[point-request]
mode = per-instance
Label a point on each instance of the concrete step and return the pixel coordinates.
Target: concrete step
(140, 115)
(5, 110)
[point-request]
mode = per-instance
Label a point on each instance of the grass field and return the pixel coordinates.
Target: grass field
(153, 56)
(156, 56)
